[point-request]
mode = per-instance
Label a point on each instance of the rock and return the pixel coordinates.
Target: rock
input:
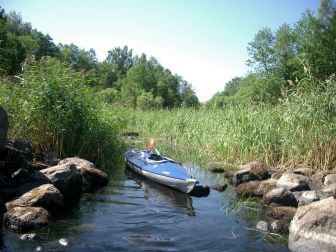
(330, 179)
(25, 148)
(329, 189)
(67, 179)
(293, 182)
(7, 193)
(79, 162)
(46, 196)
(280, 196)
(276, 175)
(63, 241)
(256, 188)
(26, 218)
(284, 213)
(279, 226)
(38, 248)
(304, 171)
(30, 236)
(92, 178)
(200, 191)
(49, 157)
(250, 172)
(216, 169)
(13, 160)
(3, 128)
(20, 176)
(313, 227)
(35, 179)
(219, 187)
(308, 197)
(262, 225)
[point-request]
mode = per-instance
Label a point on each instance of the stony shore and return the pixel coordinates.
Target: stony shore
(301, 202)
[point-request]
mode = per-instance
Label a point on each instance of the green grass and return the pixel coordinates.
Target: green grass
(297, 131)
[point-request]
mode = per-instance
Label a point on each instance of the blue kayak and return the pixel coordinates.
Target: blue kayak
(160, 169)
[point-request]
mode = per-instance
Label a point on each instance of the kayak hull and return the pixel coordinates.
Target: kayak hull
(165, 172)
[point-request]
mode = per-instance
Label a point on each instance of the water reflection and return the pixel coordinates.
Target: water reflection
(157, 192)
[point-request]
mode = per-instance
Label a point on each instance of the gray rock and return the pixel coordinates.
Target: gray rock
(20, 176)
(219, 187)
(293, 182)
(35, 179)
(280, 196)
(256, 188)
(279, 226)
(67, 179)
(3, 128)
(313, 227)
(92, 178)
(79, 162)
(304, 171)
(63, 241)
(30, 236)
(250, 172)
(26, 218)
(46, 196)
(308, 197)
(262, 225)
(330, 179)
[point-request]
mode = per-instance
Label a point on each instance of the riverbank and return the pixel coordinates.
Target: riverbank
(301, 202)
(33, 193)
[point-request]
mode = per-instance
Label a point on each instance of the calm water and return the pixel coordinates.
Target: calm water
(138, 215)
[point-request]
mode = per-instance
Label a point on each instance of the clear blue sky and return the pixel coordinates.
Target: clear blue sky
(204, 41)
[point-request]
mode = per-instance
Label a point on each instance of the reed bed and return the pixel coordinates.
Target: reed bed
(297, 131)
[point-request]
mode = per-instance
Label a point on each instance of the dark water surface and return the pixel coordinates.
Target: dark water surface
(138, 215)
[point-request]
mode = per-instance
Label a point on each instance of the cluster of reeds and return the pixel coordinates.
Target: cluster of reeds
(298, 130)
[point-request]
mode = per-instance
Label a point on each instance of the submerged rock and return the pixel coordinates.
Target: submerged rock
(262, 225)
(30, 236)
(313, 227)
(26, 218)
(219, 187)
(279, 226)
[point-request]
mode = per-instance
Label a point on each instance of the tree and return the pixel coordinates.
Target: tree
(261, 51)
(121, 59)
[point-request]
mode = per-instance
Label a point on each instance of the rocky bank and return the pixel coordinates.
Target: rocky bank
(35, 189)
(301, 202)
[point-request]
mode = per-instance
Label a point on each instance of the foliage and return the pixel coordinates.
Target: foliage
(299, 130)
(54, 109)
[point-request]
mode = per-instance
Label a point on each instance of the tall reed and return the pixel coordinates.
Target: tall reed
(297, 131)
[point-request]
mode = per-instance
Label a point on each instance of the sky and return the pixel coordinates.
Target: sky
(204, 41)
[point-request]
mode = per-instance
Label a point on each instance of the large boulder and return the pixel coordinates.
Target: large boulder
(79, 162)
(92, 178)
(313, 227)
(249, 172)
(293, 182)
(46, 196)
(26, 218)
(67, 179)
(256, 188)
(3, 128)
(280, 196)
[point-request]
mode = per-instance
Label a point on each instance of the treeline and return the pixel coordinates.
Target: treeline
(290, 59)
(121, 79)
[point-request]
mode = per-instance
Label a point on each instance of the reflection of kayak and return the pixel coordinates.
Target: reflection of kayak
(160, 169)
(159, 192)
